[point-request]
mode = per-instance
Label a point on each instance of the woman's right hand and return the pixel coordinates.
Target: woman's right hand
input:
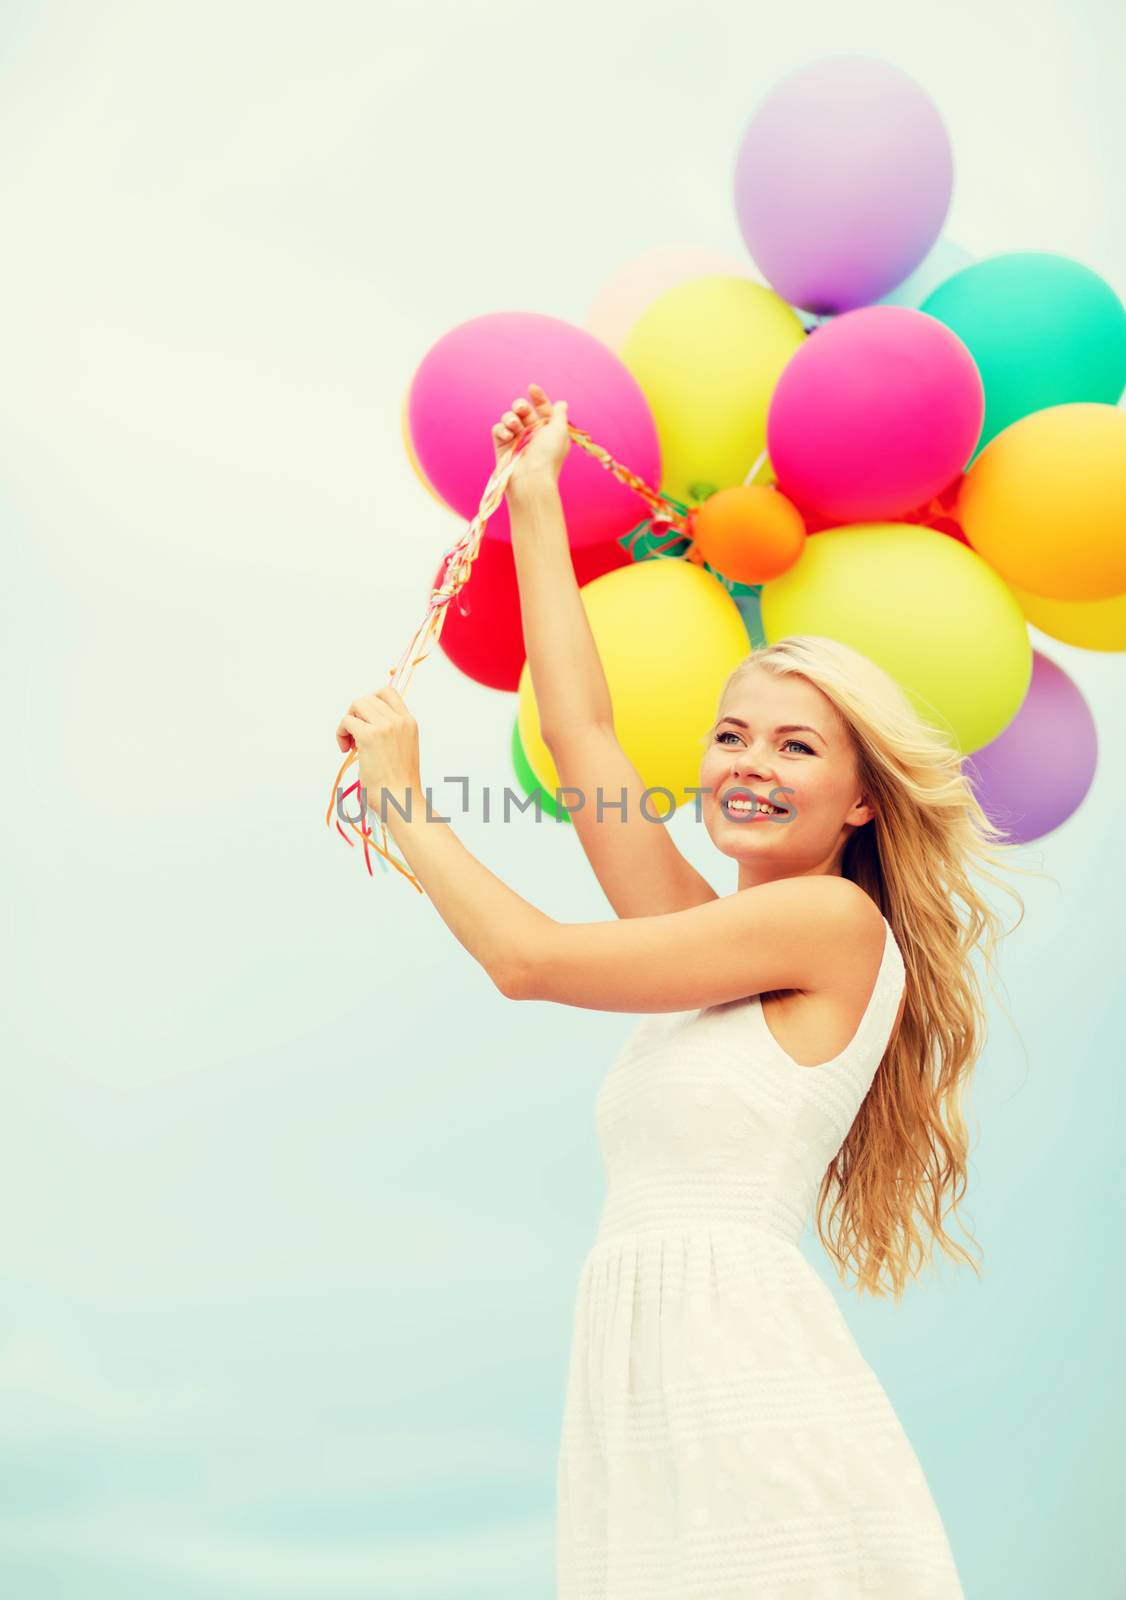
(542, 457)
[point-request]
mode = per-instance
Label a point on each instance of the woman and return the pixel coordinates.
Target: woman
(807, 1042)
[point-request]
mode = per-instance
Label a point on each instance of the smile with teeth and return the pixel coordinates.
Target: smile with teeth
(753, 805)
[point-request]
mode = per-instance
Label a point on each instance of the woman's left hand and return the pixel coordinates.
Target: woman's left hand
(385, 736)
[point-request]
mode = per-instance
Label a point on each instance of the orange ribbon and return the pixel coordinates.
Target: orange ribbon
(455, 573)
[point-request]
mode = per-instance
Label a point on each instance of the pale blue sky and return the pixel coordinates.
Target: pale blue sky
(294, 1202)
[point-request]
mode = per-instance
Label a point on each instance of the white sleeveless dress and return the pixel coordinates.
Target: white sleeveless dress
(722, 1434)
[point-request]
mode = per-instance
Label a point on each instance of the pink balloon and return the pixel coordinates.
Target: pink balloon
(644, 278)
(874, 414)
(470, 378)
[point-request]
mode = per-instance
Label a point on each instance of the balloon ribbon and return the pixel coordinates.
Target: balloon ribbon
(671, 522)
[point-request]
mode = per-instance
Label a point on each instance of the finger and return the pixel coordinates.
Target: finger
(370, 711)
(510, 428)
(540, 400)
(391, 696)
(529, 414)
(378, 697)
(345, 735)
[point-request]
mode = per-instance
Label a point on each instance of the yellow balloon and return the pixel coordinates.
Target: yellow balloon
(1045, 502)
(708, 354)
(668, 634)
(924, 607)
(408, 446)
(1090, 624)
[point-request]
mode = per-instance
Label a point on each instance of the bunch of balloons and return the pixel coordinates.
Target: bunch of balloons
(862, 433)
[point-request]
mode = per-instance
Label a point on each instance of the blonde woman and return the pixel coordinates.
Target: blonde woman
(805, 1043)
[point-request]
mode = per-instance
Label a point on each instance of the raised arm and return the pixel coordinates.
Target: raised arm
(635, 859)
(566, 670)
(813, 933)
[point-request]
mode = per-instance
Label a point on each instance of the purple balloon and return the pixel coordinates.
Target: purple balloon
(1036, 773)
(842, 182)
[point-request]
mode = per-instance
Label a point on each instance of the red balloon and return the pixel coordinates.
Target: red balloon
(486, 640)
(939, 515)
(815, 522)
(949, 526)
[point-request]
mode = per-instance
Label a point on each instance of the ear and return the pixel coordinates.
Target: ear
(860, 813)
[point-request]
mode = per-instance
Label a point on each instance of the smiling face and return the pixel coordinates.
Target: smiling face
(782, 739)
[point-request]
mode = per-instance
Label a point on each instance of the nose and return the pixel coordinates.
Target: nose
(746, 763)
(746, 774)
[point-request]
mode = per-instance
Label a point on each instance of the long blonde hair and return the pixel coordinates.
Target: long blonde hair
(918, 858)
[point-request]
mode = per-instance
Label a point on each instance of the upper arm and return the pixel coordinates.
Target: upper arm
(632, 852)
(791, 933)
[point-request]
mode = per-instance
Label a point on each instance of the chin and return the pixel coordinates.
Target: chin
(738, 843)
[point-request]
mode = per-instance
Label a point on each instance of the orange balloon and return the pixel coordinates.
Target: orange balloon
(408, 446)
(1045, 502)
(750, 533)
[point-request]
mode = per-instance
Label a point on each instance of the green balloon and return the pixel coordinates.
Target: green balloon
(1044, 331)
(530, 784)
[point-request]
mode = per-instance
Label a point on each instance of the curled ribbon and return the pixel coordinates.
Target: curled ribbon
(667, 521)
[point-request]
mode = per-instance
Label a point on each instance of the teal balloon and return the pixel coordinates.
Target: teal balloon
(748, 598)
(943, 260)
(1044, 331)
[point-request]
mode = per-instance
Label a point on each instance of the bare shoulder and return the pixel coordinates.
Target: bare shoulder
(838, 901)
(845, 926)
(833, 929)
(855, 957)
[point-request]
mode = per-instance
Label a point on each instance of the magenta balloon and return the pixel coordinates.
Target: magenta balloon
(471, 377)
(842, 182)
(1036, 773)
(875, 413)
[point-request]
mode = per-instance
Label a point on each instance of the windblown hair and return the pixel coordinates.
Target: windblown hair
(918, 857)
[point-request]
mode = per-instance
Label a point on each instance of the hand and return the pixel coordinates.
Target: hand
(381, 729)
(543, 454)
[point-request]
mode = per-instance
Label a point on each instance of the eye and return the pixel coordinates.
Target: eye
(728, 733)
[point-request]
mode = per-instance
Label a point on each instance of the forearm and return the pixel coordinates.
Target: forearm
(566, 670)
(489, 919)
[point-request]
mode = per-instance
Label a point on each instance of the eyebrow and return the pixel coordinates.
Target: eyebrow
(783, 727)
